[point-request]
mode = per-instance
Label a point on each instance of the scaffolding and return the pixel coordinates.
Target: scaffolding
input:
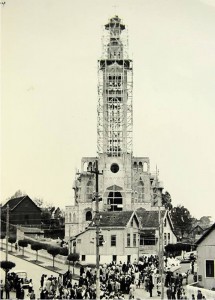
(115, 86)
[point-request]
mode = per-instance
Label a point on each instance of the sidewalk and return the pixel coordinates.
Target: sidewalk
(45, 260)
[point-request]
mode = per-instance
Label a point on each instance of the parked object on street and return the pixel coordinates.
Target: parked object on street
(20, 274)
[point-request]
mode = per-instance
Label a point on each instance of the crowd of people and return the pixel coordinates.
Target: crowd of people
(117, 281)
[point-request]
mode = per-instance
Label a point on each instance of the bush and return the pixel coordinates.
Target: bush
(36, 246)
(54, 251)
(12, 240)
(64, 251)
(7, 266)
(23, 244)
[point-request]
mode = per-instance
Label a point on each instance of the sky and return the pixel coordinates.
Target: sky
(49, 95)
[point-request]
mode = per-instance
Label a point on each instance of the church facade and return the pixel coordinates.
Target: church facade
(126, 182)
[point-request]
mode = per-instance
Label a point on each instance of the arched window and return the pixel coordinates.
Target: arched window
(85, 166)
(70, 217)
(145, 167)
(74, 218)
(88, 216)
(89, 168)
(115, 198)
(89, 190)
(140, 189)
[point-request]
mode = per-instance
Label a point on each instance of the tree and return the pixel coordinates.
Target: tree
(45, 216)
(166, 200)
(7, 266)
(23, 244)
(17, 194)
(73, 257)
(54, 251)
(205, 221)
(12, 240)
(36, 247)
(182, 220)
(38, 201)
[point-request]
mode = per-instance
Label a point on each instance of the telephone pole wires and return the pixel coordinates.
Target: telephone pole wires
(97, 221)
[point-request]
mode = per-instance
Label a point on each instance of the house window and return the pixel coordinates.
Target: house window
(141, 240)
(168, 238)
(164, 223)
(128, 240)
(113, 240)
(134, 240)
(210, 268)
(150, 240)
(165, 239)
(83, 257)
(78, 241)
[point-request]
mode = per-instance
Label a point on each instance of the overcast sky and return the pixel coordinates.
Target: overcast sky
(49, 97)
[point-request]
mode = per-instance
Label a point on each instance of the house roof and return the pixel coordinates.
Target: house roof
(150, 219)
(205, 234)
(13, 203)
(202, 227)
(114, 218)
(30, 230)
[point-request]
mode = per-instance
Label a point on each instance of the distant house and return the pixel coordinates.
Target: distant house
(196, 232)
(23, 211)
(149, 230)
(118, 238)
(29, 232)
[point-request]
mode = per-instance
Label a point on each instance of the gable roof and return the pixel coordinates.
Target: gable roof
(13, 203)
(114, 218)
(150, 218)
(205, 234)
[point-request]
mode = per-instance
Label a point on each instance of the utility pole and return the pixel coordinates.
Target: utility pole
(69, 250)
(161, 262)
(7, 232)
(158, 198)
(97, 220)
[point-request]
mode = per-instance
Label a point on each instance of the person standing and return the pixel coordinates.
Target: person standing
(151, 285)
(7, 289)
(32, 295)
(1, 289)
(22, 294)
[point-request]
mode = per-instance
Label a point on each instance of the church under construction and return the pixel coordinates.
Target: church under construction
(126, 183)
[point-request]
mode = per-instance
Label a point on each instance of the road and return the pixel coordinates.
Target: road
(34, 272)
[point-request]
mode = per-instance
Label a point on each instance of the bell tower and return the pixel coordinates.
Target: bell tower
(115, 73)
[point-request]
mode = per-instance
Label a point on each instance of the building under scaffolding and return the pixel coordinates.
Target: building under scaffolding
(126, 183)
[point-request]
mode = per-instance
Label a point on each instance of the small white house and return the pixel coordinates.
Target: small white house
(206, 258)
(149, 230)
(119, 232)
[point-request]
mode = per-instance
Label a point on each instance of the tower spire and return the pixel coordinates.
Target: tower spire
(115, 114)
